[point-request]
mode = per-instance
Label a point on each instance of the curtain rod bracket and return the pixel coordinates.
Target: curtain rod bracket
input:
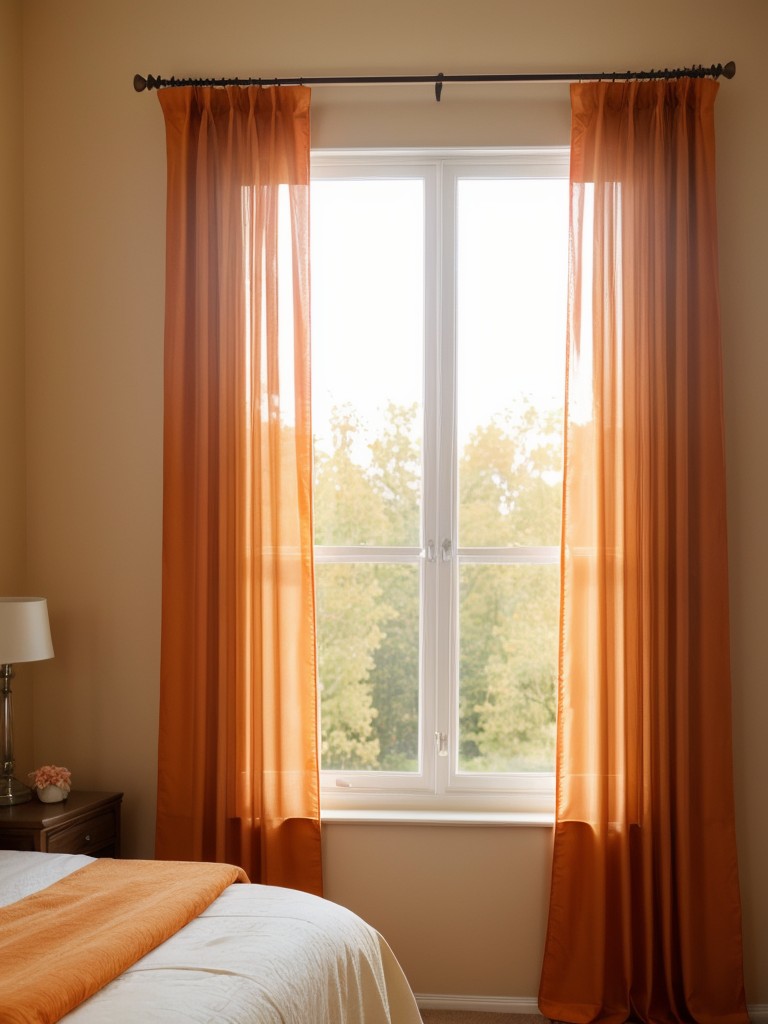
(439, 87)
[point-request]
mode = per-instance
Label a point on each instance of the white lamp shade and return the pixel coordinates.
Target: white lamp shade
(24, 631)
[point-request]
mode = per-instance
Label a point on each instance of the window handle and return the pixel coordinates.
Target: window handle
(446, 550)
(429, 551)
(441, 744)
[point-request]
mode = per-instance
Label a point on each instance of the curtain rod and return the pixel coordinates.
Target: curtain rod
(713, 71)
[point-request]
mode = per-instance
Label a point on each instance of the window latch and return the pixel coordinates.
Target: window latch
(429, 551)
(446, 550)
(441, 744)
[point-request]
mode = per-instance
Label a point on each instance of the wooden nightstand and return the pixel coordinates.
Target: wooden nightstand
(83, 823)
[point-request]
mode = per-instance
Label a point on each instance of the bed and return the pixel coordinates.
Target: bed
(253, 955)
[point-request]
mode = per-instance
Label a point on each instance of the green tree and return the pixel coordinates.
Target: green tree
(347, 508)
(396, 475)
(509, 494)
(514, 716)
(368, 637)
(351, 614)
(351, 617)
(396, 478)
(509, 480)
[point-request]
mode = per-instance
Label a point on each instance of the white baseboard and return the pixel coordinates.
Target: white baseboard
(490, 1004)
(513, 1004)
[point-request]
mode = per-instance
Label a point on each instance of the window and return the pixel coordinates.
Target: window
(438, 333)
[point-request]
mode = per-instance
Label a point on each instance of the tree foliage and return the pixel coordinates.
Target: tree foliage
(368, 613)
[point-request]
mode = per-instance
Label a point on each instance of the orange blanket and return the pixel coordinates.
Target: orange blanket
(62, 944)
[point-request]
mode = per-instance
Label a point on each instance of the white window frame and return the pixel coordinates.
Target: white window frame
(439, 786)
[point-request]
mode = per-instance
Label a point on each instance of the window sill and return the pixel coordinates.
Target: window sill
(421, 817)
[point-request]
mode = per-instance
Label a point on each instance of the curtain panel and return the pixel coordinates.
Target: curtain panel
(238, 757)
(645, 918)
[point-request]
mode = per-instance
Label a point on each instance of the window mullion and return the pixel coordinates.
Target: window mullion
(447, 681)
(430, 633)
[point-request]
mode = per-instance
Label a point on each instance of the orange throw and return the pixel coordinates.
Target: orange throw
(62, 944)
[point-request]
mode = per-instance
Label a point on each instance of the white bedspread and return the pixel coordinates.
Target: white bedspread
(258, 955)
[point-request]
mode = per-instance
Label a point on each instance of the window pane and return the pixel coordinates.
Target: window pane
(368, 644)
(508, 618)
(511, 290)
(438, 338)
(367, 344)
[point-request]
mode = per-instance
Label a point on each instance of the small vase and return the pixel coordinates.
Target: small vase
(51, 794)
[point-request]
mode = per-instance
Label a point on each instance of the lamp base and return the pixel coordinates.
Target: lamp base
(13, 792)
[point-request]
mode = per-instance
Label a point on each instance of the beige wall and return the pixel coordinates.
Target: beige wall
(463, 908)
(12, 448)
(12, 437)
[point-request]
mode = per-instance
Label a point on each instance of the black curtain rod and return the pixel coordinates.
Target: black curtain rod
(713, 71)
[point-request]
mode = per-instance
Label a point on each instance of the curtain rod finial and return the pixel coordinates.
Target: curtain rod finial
(140, 83)
(730, 69)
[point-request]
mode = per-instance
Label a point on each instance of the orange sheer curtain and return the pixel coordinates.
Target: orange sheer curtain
(645, 917)
(238, 771)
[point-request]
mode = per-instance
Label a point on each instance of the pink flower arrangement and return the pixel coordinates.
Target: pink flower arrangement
(51, 775)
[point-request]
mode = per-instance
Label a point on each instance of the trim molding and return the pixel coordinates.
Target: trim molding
(490, 1004)
(758, 1014)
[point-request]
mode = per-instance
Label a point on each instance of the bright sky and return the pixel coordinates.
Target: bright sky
(368, 287)
(367, 295)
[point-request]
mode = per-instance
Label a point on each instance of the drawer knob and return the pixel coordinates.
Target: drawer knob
(88, 838)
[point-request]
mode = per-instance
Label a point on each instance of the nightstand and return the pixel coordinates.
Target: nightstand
(83, 823)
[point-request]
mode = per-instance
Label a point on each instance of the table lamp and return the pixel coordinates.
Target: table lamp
(24, 636)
